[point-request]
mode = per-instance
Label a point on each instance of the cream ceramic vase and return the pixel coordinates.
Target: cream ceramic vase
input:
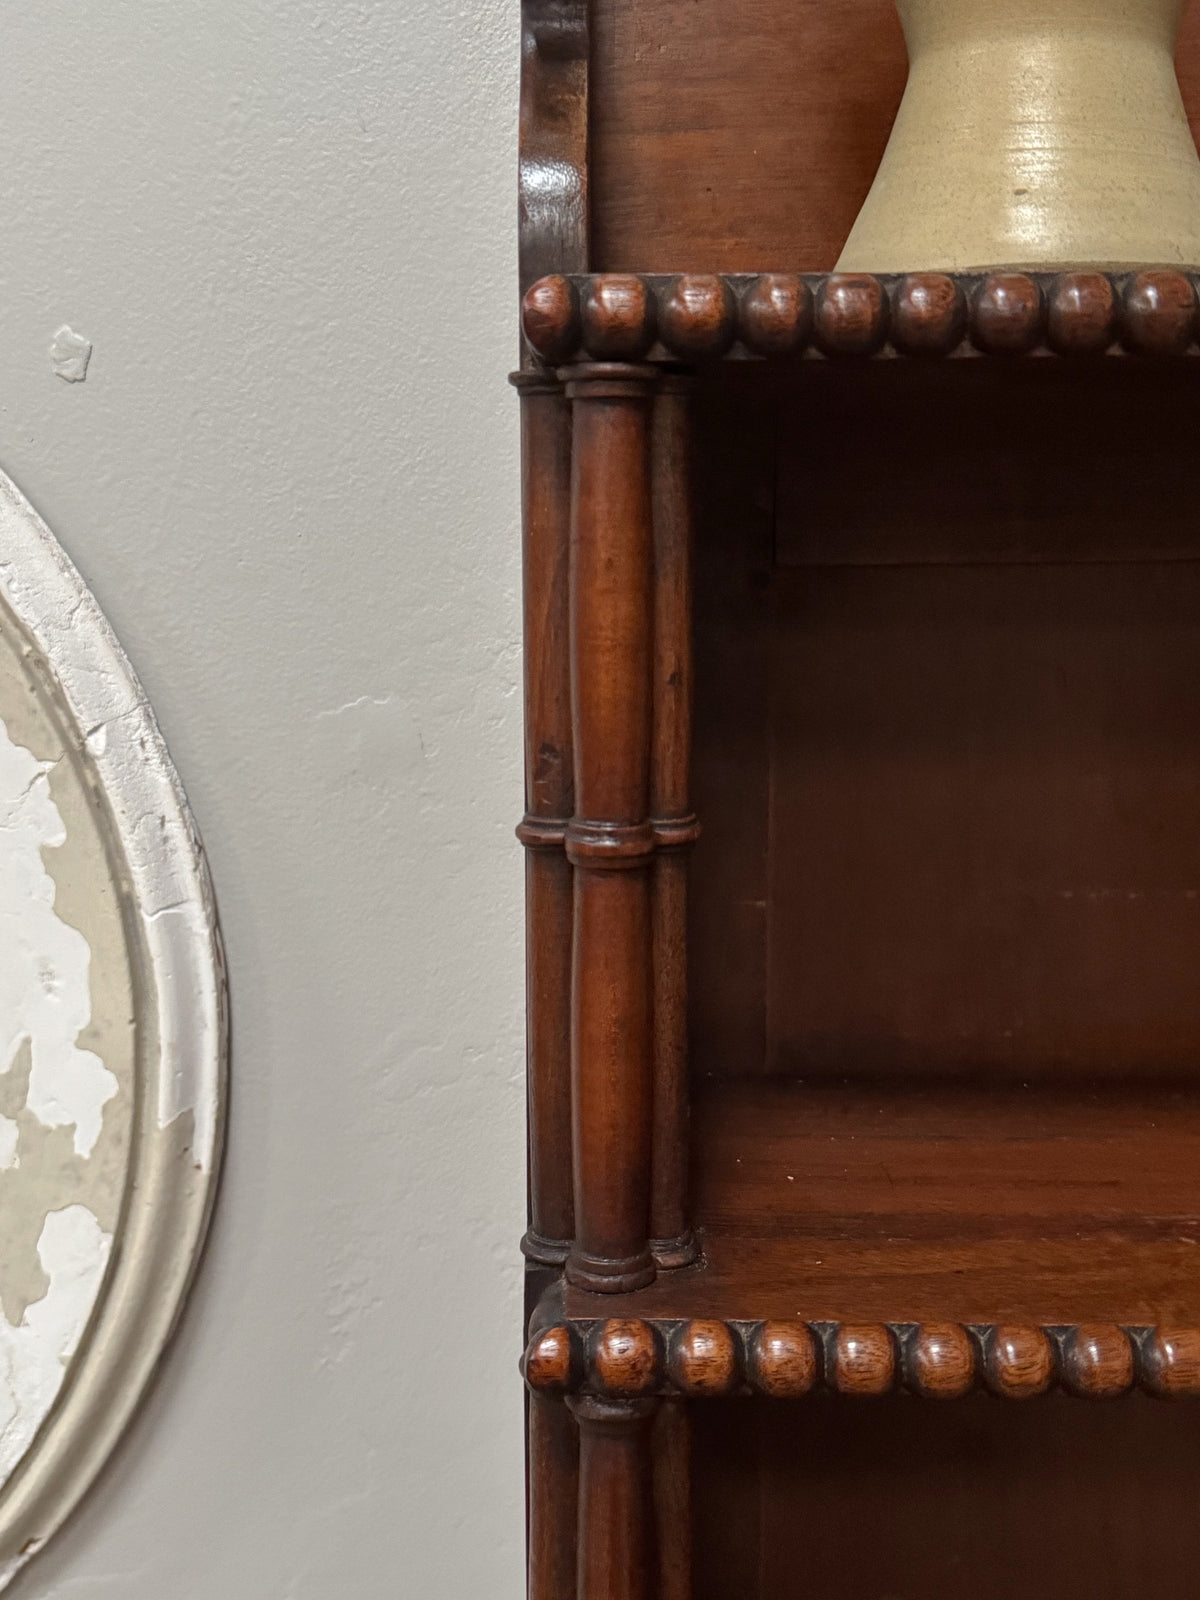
(1035, 134)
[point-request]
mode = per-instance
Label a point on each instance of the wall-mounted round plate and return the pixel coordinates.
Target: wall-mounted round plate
(112, 1037)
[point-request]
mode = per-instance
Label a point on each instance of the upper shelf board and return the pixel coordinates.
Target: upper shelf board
(789, 315)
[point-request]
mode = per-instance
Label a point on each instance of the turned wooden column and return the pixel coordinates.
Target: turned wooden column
(610, 840)
(549, 803)
(675, 826)
(617, 1558)
(553, 1483)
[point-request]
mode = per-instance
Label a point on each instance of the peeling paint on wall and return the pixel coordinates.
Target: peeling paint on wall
(64, 1113)
(34, 1356)
(45, 996)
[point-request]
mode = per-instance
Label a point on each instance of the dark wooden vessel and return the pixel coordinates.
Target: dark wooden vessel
(884, 1088)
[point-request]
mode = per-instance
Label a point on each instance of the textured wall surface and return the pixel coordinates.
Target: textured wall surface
(285, 228)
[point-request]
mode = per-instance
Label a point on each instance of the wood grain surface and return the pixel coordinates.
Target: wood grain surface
(943, 924)
(877, 1202)
(610, 840)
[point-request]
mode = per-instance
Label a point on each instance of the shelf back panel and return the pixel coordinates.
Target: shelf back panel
(1055, 1497)
(947, 738)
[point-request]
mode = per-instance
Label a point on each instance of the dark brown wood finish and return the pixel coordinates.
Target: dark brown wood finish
(553, 1475)
(1009, 874)
(610, 840)
(780, 316)
(942, 743)
(675, 826)
(671, 1447)
(549, 804)
(731, 137)
(736, 427)
(706, 1359)
(932, 973)
(983, 689)
(554, 220)
(617, 1557)
(867, 1201)
(859, 1499)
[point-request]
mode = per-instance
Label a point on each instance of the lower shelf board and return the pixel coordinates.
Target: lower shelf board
(867, 1236)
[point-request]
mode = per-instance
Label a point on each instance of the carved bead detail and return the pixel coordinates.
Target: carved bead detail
(1006, 318)
(941, 1361)
(691, 316)
(1099, 1362)
(1020, 1363)
(1172, 1362)
(864, 1361)
(929, 315)
(783, 1361)
(618, 317)
(703, 1361)
(777, 315)
(697, 317)
(625, 1358)
(852, 314)
(628, 1358)
(548, 1360)
(1082, 315)
(1159, 314)
(550, 317)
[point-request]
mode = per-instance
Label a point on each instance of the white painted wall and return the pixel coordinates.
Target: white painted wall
(290, 477)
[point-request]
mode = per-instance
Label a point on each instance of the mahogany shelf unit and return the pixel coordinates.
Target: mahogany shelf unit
(862, 634)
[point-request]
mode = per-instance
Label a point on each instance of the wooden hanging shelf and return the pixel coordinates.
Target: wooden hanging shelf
(786, 316)
(885, 1083)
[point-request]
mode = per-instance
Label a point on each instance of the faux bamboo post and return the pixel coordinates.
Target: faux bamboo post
(616, 1500)
(675, 827)
(549, 803)
(610, 840)
(553, 1456)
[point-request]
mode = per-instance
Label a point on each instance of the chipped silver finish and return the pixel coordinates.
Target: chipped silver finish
(112, 1095)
